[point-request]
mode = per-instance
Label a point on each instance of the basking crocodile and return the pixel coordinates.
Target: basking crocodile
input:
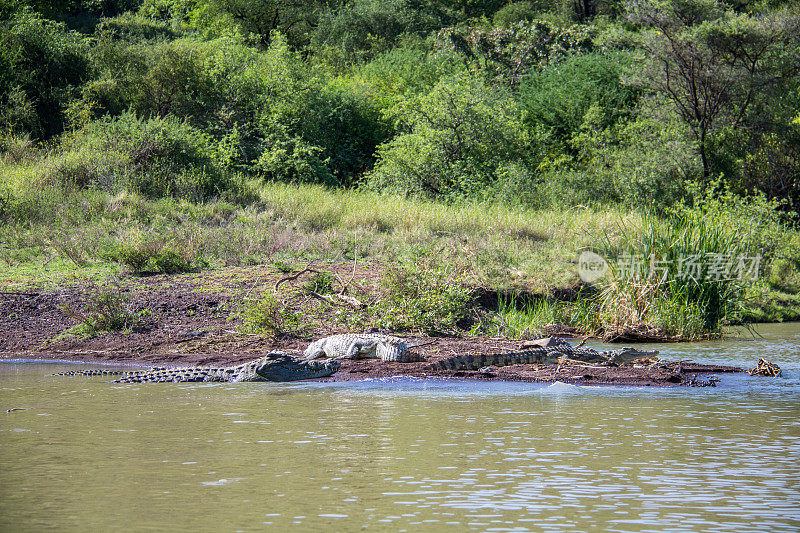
(549, 351)
(364, 346)
(275, 366)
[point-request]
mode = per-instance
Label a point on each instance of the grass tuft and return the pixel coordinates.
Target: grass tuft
(105, 310)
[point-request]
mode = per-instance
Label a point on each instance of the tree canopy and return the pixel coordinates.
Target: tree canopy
(541, 101)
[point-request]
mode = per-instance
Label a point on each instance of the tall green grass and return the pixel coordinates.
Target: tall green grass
(527, 320)
(661, 299)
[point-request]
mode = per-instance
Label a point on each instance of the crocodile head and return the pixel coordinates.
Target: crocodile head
(279, 366)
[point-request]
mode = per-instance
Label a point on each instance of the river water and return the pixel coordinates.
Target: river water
(405, 454)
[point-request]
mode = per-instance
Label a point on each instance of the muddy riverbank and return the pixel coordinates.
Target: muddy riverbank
(192, 320)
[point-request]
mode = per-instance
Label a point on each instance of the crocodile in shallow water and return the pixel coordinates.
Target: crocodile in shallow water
(550, 351)
(275, 366)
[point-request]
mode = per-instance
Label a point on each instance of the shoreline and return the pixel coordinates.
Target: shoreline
(660, 374)
(195, 320)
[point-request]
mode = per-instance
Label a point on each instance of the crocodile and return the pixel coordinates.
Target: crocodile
(275, 366)
(362, 346)
(549, 351)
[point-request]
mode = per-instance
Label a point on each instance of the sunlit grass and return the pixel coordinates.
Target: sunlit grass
(57, 236)
(507, 247)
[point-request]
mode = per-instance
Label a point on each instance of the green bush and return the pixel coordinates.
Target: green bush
(41, 64)
(151, 255)
(265, 113)
(328, 136)
(105, 310)
(156, 158)
(557, 98)
(269, 316)
(509, 54)
(320, 283)
(515, 12)
(429, 298)
(643, 161)
(640, 162)
(462, 133)
(135, 27)
(360, 30)
(394, 79)
(313, 130)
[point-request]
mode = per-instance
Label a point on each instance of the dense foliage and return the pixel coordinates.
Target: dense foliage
(545, 103)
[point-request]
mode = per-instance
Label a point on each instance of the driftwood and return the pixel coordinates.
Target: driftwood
(765, 368)
(339, 299)
(639, 335)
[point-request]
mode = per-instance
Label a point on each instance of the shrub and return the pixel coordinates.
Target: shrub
(327, 135)
(105, 310)
(756, 220)
(639, 162)
(217, 85)
(156, 158)
(320, 283)
(635, 162)
(510, 53)
(557, 98)
(269, 316)
(430, 298)
(152, 255)
(394, 78)
(462, 132)
(135, 27)
(364, 28)
(515, 12)
(41, 63)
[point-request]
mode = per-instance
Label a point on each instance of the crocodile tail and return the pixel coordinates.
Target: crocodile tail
(93, 372)
(397, 352)
(478, 361)
(412, 357)
(391, 351)
(404, 357)
(460, 362)
(175, 375)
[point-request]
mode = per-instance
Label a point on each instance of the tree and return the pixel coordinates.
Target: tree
(715, 66)
(509, 53)
(293, 18)
(464, 136)
(41, 64)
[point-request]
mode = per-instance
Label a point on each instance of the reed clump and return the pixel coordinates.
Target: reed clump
(678, 277)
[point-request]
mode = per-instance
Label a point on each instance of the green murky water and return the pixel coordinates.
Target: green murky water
(87, 455)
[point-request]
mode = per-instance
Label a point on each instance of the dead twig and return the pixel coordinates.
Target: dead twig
(293, 277)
